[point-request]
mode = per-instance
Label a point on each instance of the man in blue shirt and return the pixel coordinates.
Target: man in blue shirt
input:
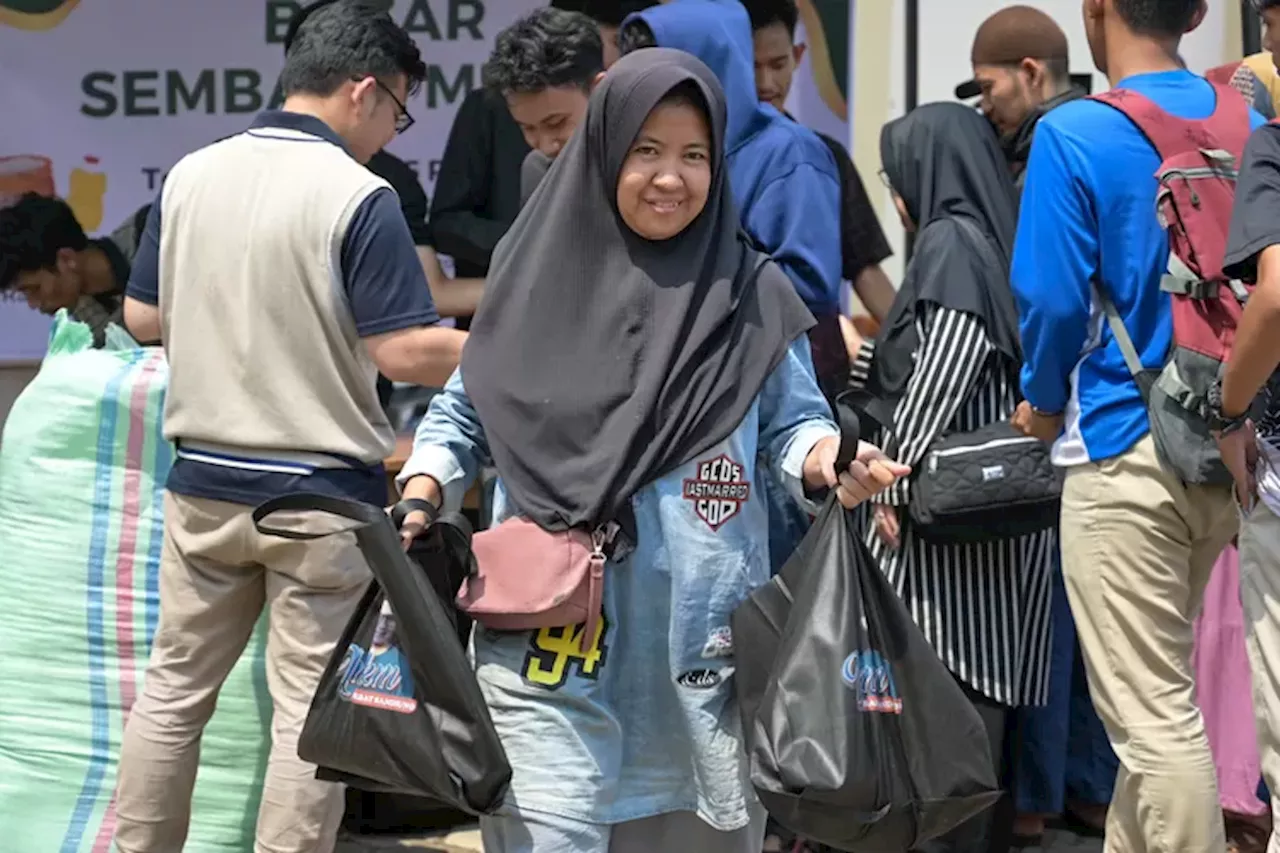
(1137, 544)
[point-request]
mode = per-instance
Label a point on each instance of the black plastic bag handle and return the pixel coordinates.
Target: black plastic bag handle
(454, 529)
(311, 502)
(850, 420)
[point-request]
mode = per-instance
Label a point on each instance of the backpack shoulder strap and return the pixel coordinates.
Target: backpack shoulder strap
(1226, 127)
(1230, 125)
(1166, 133)
(1130, 352)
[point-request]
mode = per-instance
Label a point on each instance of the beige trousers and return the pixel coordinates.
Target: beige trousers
(1260, 595)
(216, 574)
(1138, 547)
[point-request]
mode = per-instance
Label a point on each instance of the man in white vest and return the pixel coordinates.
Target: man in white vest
(280, 275)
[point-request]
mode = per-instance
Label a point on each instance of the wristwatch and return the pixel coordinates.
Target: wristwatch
(1219, 422)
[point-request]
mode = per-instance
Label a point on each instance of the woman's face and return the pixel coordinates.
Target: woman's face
(664, 181)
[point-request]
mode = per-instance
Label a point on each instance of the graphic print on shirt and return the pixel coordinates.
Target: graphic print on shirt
(719, 643)
(553, 652)
(718, 491)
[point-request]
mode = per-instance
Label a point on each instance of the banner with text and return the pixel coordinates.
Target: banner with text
(101, 99)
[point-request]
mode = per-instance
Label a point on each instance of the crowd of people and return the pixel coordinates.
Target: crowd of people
(648, 256)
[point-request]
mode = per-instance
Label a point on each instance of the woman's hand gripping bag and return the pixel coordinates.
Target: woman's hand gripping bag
(858, 736)
(398, 709)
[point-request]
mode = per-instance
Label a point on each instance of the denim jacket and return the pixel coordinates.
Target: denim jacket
(644, 722)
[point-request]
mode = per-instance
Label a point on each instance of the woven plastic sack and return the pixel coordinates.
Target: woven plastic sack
(82, 471)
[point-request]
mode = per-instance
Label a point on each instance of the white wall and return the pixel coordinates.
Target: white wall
(946, 35)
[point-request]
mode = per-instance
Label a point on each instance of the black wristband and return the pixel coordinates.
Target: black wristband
(408, 505)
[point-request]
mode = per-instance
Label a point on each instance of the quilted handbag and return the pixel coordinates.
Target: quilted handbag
(980, 486)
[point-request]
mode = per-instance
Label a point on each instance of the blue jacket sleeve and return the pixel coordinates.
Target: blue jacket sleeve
(794, 416)
(797, 220)
(1055, 259)
(449, 445)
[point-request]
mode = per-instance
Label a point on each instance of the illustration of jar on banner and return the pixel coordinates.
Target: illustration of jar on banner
(33, 173)
(85, 191)
(25, 173)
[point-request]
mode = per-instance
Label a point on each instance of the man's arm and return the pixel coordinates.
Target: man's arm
(389, 297)
(863, 243)
(1055, 259)
(797, 221)
(875, 291)
(423, 355)
(466, 177)
(1253, 249)
(1256, 352)
(142, 294)
(454, 297)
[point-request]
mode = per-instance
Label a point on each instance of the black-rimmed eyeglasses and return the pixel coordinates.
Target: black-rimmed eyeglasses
(404, 121)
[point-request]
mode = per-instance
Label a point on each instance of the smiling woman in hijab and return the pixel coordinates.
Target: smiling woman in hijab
(947, 361)
(629, 365)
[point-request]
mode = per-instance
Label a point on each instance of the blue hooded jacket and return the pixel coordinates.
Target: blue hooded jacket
(784, 179)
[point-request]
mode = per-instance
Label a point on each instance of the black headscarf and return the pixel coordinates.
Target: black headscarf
(945, 162)
(532, 171)
(600, 360)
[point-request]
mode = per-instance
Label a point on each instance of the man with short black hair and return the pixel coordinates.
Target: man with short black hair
(1020, 71)
(477, 195)
(862, 242)
(1138, 543)
(280, 275)
(46, 258)
(544, 66)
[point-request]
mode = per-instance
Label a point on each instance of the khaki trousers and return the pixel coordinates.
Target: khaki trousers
(1138, 547)
(216, 574)
(1260, 595)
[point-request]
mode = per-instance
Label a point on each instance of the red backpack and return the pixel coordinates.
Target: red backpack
(1197, 185)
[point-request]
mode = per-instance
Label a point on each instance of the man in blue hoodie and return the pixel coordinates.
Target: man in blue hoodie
(785, 181)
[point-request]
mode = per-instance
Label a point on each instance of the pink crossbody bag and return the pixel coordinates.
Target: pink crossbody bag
(527, 578)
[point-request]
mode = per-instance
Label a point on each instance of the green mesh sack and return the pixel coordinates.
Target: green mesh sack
(82, 471)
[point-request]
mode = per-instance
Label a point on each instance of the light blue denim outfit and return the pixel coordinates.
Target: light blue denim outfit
(646, 724)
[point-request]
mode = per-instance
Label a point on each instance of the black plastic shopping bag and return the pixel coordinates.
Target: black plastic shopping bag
(398, 709)
(858, 736)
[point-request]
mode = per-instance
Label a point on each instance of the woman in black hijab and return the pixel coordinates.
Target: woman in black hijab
(631, 360)
(947, 361)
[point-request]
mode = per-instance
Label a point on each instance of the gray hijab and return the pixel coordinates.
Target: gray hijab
(600, 361)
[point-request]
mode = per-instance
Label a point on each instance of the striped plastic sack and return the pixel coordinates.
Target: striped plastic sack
(82, 471)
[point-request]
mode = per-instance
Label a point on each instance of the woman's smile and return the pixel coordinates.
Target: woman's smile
(664, 206)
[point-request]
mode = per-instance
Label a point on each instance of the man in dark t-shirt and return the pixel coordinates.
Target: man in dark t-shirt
(46, 258)
(862, 243)
(1246, 418)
